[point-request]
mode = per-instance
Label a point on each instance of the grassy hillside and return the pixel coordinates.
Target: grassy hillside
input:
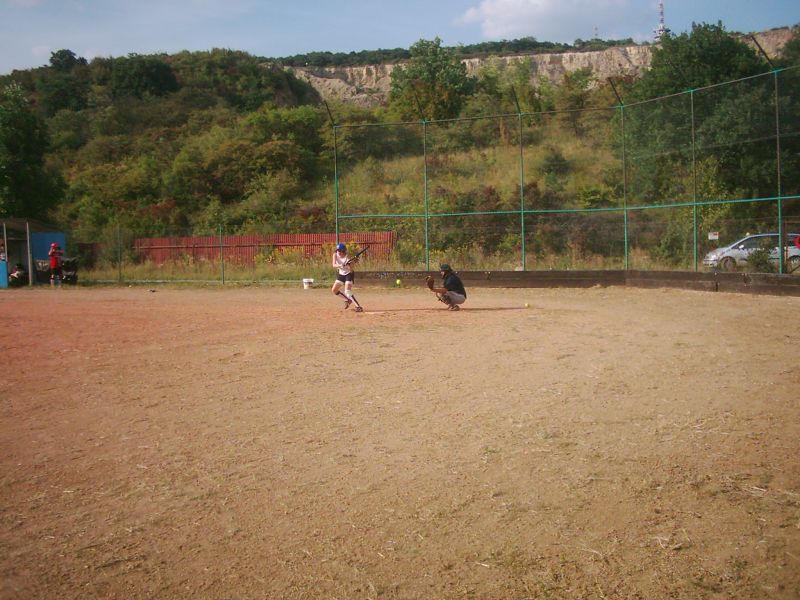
(194, 142)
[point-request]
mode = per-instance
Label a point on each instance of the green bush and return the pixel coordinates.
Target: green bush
(759, 262)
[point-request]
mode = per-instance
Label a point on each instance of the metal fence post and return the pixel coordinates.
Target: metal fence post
(336, 182)
(624, 188)
(119, 254)
(335, 171)
(521, 179)
(222, 255)
(31, 266)
(521, 190)
(425, 189)
(781, 236)
(621, 107)
(694, 182)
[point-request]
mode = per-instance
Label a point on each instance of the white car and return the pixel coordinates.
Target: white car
(728, 258)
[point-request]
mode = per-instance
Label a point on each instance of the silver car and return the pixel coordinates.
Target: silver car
(729, 258)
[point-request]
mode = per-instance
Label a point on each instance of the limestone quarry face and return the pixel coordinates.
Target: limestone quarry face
(368, 85)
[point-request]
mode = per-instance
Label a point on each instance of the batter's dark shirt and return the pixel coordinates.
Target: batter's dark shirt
(452, 283)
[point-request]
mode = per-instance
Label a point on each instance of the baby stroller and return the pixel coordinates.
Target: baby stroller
(69, 270)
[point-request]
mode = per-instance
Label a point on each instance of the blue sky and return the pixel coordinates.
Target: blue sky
(31, 29)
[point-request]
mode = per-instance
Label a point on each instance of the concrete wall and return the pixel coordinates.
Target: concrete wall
(747, 283)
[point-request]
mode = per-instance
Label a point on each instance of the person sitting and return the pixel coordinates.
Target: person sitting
(18, 276)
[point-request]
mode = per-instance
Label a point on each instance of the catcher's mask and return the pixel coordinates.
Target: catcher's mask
(341, 248)
(445, 268)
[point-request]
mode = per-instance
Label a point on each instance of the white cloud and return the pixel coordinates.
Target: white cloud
(549, 20)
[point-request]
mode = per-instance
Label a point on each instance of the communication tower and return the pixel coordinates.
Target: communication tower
(661, 29)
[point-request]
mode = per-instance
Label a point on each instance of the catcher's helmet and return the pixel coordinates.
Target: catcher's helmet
(54, 245)
(341, 247)
(444, 267)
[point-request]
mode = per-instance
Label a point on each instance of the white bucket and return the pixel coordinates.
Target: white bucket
(307, 284)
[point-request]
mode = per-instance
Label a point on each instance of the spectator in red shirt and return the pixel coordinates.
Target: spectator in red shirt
(55, 255)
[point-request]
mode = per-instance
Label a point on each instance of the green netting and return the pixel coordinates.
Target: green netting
(473, 165)
(577, 240)
(380, 168)
(788, 88)
(652, 185)
(658, 151)
(473, 242)
(408, 251)
(736, 140)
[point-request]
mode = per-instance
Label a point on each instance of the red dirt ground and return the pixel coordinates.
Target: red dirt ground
(265, 443)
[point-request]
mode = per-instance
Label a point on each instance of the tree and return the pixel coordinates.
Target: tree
(26, 187)
(139, 75)
(572, 97)
(434, 82)
(244, 81)
(705, 56)
(727, 120)
(64, 85)
(62, 91)
(790, 55)
(270, 201)
(65, 60)
(789, 85)
(713, 115)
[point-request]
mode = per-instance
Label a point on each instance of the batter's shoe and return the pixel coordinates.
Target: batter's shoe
(347, 304)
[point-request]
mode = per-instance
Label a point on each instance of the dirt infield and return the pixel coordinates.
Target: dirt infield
(265, 443)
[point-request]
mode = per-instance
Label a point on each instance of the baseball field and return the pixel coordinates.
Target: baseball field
(260, 442)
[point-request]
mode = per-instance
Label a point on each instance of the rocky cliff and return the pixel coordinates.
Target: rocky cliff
(369, 85)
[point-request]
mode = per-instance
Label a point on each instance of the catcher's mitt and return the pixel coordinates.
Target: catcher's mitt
(429, 282)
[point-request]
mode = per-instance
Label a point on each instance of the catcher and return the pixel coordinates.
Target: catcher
(452, 291)
(345, 276)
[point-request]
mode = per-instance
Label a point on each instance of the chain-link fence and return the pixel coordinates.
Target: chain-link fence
(656, 184)
(659, 184)
(182, 257)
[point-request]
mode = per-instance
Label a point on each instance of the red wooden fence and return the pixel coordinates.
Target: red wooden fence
(243, 249)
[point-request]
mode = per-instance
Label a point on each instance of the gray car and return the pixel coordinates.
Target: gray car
(729, 258)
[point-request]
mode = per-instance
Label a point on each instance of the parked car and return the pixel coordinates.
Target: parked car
(729, 258)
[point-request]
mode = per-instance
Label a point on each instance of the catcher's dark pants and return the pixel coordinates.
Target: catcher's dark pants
(453, 298)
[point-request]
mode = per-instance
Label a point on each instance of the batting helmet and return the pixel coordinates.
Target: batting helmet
(341, 247)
